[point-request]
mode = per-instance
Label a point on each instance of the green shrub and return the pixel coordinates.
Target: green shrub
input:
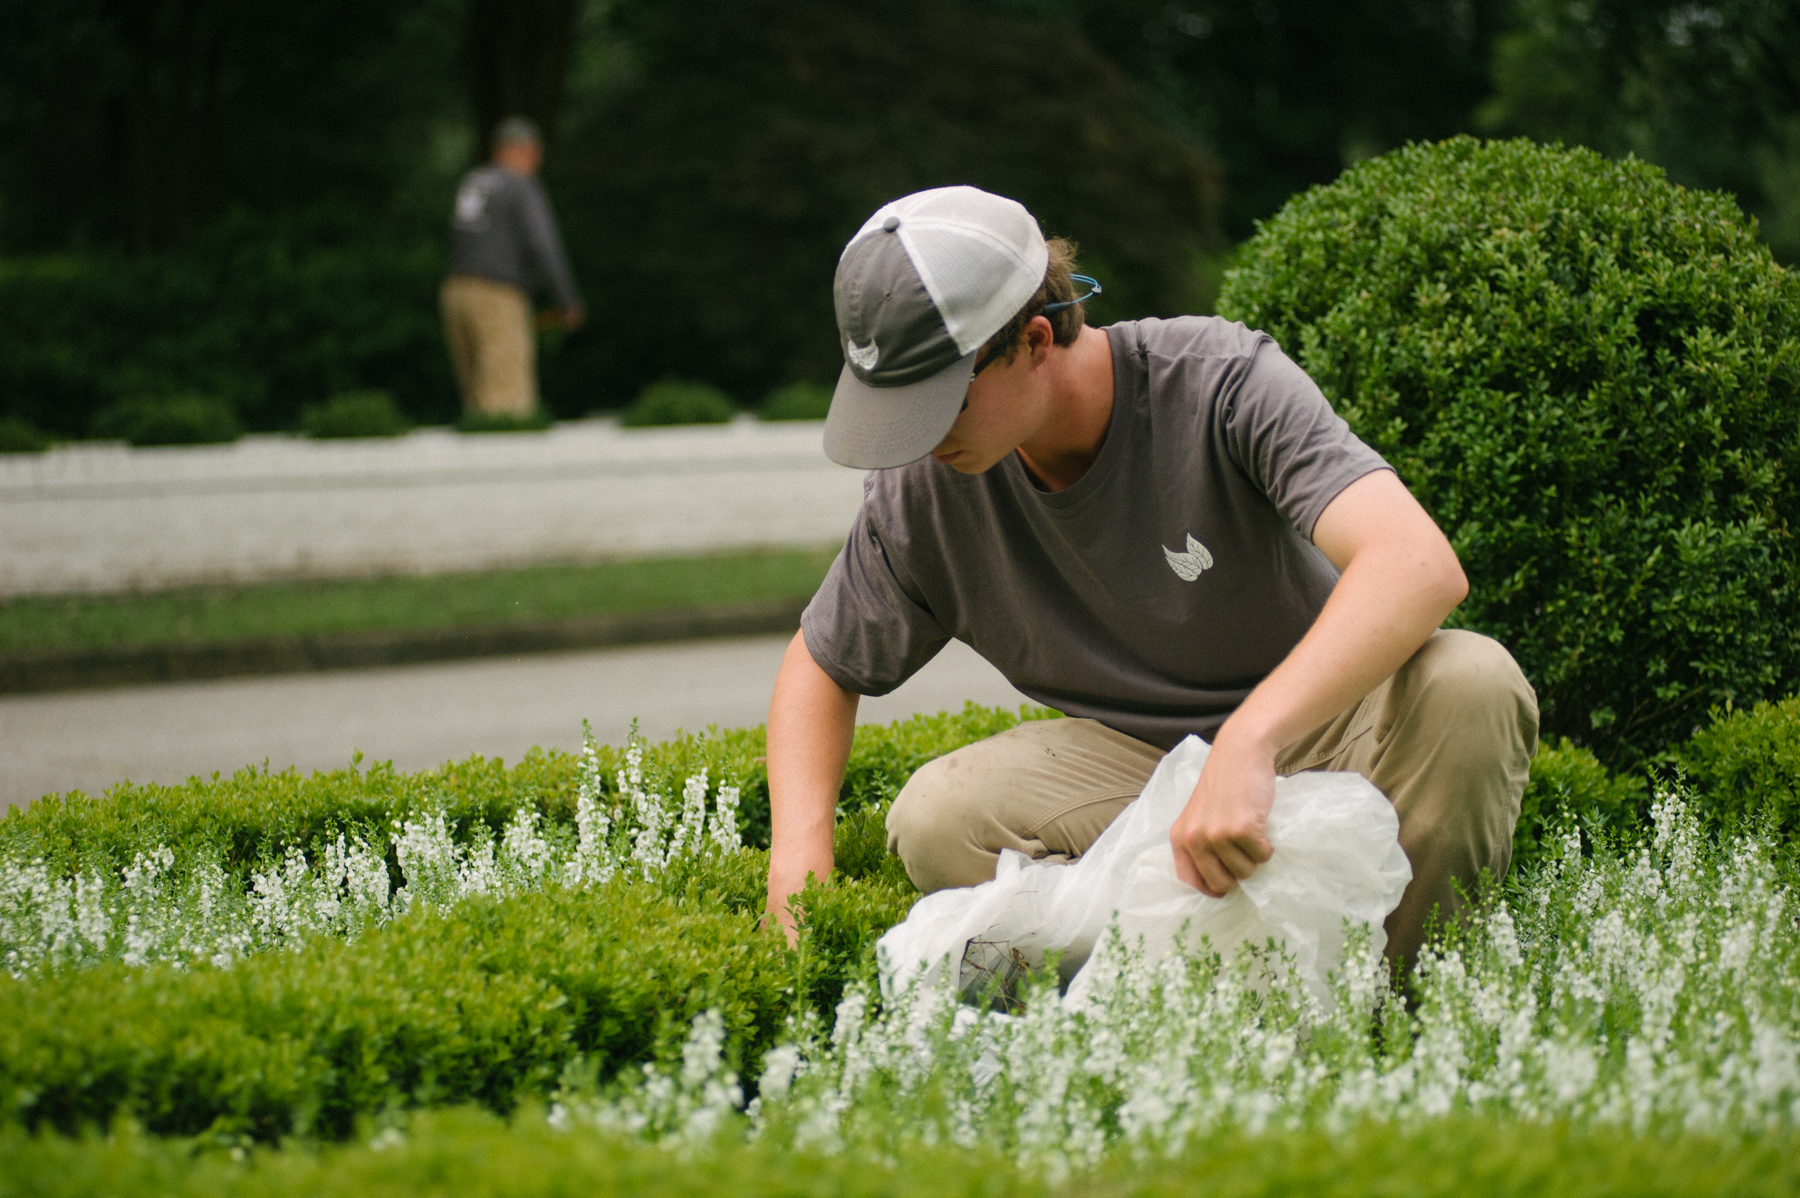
(842, 920)
(172, 420)
(487, 1002)
(797, 401)
(354, 414)
(490, 1001)
(1568, 782)
(674, 401)
(1590, 378)
(493, 1000)
(21, 436)
(533, 421)
(1747, 766)
(256, 815)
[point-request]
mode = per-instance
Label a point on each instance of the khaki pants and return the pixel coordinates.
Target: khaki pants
(492, 347)
(1448, 739)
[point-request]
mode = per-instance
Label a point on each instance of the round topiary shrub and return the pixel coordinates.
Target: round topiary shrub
(677, 401)
(1591, 378)
(169, 420)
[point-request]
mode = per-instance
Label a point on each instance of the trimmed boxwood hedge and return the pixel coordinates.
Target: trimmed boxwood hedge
(1591, 378)
(255, 814)
(1748, 766)
(489, 1001)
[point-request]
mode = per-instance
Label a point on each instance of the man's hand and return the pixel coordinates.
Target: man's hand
(573, 317)
(1400, 579)
(1221, 835)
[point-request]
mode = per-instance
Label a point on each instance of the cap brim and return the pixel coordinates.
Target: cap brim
(874, 428)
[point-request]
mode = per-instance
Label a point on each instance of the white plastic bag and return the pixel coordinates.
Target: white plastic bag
(1337, 857)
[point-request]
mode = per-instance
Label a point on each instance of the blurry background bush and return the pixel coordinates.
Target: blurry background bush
(185, 419)
(502, 422)
(20, 436)
(797, 401)
(251, 202)
(354, 414)
(678, 401)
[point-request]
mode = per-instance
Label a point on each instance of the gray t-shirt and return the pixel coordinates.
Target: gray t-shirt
(1152, 595)
(501, 229)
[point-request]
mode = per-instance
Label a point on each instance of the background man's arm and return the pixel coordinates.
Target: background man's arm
(1400, 578)
(546, 248)
(811, 721)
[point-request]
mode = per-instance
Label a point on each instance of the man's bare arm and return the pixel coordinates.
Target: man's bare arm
(1400, 579)
(811, 720)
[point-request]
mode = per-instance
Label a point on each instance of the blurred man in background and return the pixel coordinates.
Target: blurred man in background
(503, 246)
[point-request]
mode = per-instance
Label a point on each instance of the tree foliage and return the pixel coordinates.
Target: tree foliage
(250, 202)
(134, 124)
(516, 53)
(1287, 93)
(715, 185)
(1709, 91)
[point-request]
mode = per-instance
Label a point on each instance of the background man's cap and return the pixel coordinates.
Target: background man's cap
(920, 288)
(516, 129)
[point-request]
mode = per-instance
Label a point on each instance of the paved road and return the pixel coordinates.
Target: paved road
(104, 517)
(421, 716)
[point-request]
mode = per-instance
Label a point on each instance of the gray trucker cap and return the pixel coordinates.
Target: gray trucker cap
(920, 289)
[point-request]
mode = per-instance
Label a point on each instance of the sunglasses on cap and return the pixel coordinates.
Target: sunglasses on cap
(1001, 350)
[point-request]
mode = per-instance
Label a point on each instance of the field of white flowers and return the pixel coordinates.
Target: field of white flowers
(1650, 985)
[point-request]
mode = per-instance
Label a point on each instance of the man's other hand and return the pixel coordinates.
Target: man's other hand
(1221, 835)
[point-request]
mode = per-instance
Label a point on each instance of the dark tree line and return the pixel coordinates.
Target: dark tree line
(250, 199)
(516, 59)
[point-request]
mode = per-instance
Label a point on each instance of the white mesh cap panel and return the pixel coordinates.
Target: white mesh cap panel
(980, 256)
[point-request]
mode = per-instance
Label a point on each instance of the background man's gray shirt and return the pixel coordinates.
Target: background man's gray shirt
(501, 229)
(1152, 595)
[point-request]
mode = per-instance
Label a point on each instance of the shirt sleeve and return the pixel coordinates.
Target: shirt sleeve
(863, 628)
(1282, 433)
(544, 246)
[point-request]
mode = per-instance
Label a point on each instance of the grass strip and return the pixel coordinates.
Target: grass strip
(471, 1152)
(204, 615)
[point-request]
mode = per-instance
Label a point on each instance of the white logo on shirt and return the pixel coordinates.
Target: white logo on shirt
(864, 356)
(471, 201)
(1190, 565)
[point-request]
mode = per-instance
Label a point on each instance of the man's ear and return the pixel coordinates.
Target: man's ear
(1039, 337)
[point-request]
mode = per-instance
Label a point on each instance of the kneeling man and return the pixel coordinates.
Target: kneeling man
(1158, 528)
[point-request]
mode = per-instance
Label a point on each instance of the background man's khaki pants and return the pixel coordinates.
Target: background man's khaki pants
(492, 349)
(1448, 739)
